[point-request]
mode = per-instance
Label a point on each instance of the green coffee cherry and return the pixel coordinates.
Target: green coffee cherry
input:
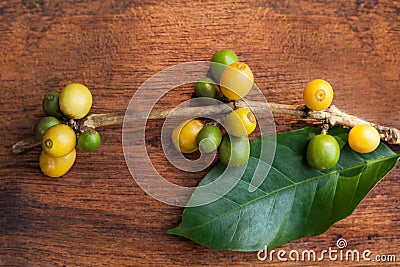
(50, 105)
(206, 88)
(224, 57)
(89, 140)
(209, 138)
(42, 125)
(234, 151)
(323, 152)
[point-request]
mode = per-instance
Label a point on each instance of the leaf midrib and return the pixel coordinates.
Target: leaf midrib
(289, 186)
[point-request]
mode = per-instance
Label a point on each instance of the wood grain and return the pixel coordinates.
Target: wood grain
(97, 214)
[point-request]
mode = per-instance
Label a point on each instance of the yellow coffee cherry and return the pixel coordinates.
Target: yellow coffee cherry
(59, 140)
(185, 134)
(56, 167)
(318, 95)
(364, 138)
(240, 122)
(75, 101)
(236, 80)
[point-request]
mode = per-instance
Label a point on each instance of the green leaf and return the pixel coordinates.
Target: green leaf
(293, 201)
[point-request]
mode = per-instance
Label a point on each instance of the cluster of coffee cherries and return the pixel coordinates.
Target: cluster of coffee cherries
(235, 81)
(323, 151)
(58, 139)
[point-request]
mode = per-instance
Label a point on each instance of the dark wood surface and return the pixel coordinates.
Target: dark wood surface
(97, 214)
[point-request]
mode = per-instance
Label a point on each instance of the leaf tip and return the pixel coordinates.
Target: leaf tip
(172, 231)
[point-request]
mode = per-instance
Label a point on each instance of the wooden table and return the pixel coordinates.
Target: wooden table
(97, 214)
